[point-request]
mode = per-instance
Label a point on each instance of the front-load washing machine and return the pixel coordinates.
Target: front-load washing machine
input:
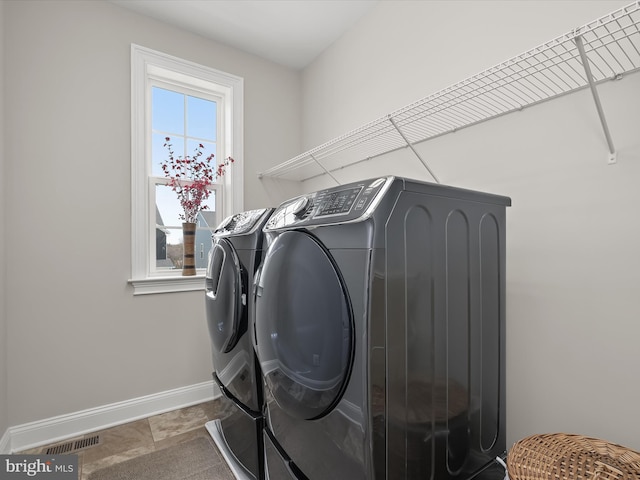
(380, 332)
(233, 259)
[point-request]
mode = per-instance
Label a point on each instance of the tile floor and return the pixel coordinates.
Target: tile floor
(140, 437)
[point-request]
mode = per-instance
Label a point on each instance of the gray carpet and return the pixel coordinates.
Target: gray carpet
(197, 459)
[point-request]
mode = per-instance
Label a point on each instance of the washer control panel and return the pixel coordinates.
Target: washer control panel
(240, 223)
(334, 205)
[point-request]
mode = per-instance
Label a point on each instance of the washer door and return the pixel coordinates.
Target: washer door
(303, 326)
(225, 296)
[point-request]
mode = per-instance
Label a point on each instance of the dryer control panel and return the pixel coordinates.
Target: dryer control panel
(240, 223)
(342, 204)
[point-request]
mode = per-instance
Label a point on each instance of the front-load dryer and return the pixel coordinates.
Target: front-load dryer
(379, 329)
(233, 259)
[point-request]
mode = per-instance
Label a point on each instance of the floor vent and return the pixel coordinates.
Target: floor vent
(72, 447)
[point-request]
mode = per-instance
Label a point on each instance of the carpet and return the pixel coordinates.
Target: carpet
(196, 459)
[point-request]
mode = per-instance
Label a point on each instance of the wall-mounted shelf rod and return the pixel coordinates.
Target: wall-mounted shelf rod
(327, 172)
(433, 175)
(596, 99)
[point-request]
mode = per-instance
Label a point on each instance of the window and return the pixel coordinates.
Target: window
(192, 105)
(188, 119)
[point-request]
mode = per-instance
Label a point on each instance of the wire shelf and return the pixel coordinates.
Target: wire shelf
(611, 45)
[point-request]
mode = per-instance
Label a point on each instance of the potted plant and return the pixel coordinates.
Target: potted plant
(190, 177)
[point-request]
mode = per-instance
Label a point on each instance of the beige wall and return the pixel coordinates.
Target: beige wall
(78, 338)
(4, 420)
(573, 263)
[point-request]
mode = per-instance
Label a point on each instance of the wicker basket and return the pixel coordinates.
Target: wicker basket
(561, 456)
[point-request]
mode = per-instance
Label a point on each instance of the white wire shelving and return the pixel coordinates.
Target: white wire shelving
(602, 50)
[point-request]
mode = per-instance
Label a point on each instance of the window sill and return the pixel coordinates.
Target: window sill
(152, 285)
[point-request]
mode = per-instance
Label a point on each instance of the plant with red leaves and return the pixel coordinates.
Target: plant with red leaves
(190, 177)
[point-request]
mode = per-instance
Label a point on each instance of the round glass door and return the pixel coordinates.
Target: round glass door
(304, 326)
(224, 293)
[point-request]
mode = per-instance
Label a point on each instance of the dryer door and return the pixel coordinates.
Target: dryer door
(303, 326)
(225, 296)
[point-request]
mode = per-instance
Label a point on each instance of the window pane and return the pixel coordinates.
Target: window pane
(209, 218)
(168, 229)
(160, 153)
(167, 111)
(207, 222)
(168, 207)
(168, 255)
(201, 118)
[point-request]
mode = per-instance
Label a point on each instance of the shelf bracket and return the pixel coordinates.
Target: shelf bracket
(395, 125)
(612, 158)
(324, 169)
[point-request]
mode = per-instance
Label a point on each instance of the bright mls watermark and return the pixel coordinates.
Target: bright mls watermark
(50, 467)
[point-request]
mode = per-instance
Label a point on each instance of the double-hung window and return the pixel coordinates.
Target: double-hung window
(193, 106)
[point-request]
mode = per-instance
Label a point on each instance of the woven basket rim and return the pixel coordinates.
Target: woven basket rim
(559, 455)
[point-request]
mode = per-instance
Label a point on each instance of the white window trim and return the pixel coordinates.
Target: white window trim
(144, 63)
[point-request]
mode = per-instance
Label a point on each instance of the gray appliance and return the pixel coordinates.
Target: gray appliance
(233, 260)
(380, 332)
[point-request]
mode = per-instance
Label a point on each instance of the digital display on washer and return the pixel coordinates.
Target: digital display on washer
(337, 203)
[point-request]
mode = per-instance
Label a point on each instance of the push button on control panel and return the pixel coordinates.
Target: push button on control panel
(338, 203)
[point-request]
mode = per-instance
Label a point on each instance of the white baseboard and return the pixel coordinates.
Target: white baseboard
(62, 427)
(5, 443)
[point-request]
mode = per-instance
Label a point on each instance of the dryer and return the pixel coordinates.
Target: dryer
(380, 332)
(233, 259)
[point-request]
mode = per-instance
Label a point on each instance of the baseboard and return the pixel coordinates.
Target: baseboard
(55, 429)
(5, 443)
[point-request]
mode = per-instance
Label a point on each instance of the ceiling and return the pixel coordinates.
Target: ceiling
(289, 32)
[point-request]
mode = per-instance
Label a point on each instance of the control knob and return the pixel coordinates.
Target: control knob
(301, 206)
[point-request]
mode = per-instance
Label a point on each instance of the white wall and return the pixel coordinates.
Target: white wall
(78, 338)
(573, 263)
(4, 420)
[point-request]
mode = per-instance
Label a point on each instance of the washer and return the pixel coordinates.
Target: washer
(233, 260)
(379, 328)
